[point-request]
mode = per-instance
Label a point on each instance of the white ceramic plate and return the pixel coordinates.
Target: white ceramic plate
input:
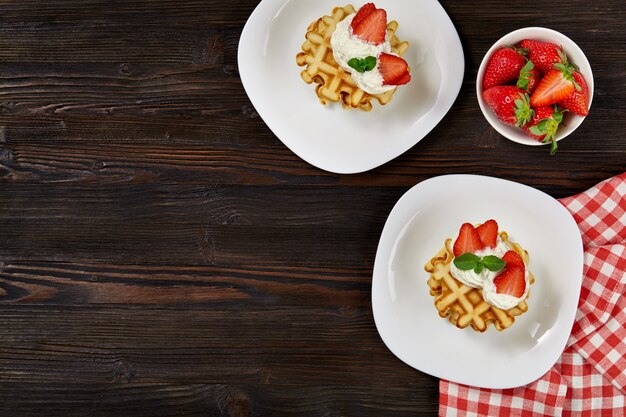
(404, 311)
(329, 137)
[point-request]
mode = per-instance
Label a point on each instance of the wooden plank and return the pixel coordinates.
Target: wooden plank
(332, 345)
(201, 400)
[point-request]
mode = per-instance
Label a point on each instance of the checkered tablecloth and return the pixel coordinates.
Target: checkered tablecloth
(589, 379)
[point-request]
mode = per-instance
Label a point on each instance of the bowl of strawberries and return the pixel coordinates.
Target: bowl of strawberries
(535, 86)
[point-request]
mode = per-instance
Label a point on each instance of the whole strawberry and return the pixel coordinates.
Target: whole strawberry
(578, 102)
(503, 67)
(544, 54)
(528, 77)
(510, 104)
(544, 124)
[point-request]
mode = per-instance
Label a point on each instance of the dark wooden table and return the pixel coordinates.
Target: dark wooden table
(163, 254)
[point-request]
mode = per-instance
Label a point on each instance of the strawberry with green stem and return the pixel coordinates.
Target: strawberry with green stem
(544, 54)
(510, 104)
(503, 67)
(544, 124)
(528, 77)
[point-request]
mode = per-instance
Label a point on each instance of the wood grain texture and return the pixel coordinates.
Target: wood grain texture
(164, 254)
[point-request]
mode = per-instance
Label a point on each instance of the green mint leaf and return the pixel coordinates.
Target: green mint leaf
(479, 267)
(356, 64)
(493, 263)
(466, 261)
(362, 65)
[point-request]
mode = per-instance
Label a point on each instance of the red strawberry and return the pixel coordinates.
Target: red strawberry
(488, 232)
(558, 84)
(468, 240)
(528, 77)
(363, 12)
(512, 258)
(544, 54)
(372, 28)
(578, 102)
(544, 124)
(504, 66)
(511, 281)
(404, 79)
(394, 69)
(509, 103)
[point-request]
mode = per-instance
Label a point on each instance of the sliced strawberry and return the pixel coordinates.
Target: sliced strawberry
(468, 240)
(393, 69)
(404, 79)
(363, 12)
(372, 28)
(511, 281)
(488, 232)
(578, 102)
(512, 259)
(557, 85)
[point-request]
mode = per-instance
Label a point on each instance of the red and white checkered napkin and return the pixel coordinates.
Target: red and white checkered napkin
(589, 379)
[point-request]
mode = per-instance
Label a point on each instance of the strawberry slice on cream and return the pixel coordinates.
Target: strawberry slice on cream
(361, 47)
(483, 260)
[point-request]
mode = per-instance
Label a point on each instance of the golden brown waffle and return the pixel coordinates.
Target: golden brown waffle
(463, 305)
(333, 83)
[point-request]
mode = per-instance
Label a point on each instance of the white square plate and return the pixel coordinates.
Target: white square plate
(404, 311)
(329, 137)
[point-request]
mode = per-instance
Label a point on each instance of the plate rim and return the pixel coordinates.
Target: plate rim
(454, 85)
(502, 383)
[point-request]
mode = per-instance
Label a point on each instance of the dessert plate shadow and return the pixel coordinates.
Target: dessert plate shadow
(404, 311)
(329, 137)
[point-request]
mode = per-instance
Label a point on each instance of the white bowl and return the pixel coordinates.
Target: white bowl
(575, 55)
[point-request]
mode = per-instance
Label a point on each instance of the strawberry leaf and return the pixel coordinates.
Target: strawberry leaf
(523, 111)
(535, 130)
(525, 75)
(558, 114)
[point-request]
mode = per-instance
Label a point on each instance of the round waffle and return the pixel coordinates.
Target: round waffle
(333, 82)
(463, 305)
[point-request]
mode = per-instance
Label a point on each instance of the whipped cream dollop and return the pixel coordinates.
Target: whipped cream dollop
(346, 46)
(485, 278)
